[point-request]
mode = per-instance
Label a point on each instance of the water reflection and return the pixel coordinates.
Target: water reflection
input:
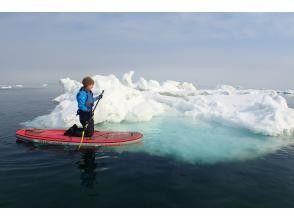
(87, 165)
(86, 159)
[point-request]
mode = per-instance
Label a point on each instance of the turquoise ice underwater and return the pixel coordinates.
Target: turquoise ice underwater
(198, 141)
(181, 122)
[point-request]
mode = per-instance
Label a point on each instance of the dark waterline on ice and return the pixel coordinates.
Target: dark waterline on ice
(46, 177)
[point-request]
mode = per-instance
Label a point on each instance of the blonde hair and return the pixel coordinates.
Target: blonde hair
(87, 81)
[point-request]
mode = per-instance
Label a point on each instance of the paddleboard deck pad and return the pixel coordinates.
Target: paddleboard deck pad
(99, 139)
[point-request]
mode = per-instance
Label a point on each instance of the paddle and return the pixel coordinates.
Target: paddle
(97, 103)
(92, 115)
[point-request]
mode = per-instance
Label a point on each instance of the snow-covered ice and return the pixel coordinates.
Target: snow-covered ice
(260, 111)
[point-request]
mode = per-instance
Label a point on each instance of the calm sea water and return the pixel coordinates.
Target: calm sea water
(181, 163)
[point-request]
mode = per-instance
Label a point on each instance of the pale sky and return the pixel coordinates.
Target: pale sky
(248, 49)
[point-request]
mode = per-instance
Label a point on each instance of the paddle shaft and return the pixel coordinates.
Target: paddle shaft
(97, 102)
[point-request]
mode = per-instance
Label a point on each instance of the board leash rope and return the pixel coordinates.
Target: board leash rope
(83, 135)
(82, 139)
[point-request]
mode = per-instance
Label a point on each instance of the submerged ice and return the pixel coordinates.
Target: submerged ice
(260, 111)
(197, 141)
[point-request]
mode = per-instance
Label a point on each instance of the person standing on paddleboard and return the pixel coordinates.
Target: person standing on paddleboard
(85, 100)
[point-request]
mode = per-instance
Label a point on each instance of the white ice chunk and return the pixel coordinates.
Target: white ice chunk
(260, 111)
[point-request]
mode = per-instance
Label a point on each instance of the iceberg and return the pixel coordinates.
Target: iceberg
(260, 111)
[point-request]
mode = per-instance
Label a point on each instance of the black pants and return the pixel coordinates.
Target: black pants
(85, 117)
(87, 123)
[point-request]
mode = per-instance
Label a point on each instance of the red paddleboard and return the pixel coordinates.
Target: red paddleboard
(100, 138)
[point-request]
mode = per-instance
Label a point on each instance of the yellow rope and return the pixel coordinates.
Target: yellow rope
(82, 139)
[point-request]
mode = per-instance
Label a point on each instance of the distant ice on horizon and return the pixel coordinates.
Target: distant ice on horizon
(11, 86)
(5, 87)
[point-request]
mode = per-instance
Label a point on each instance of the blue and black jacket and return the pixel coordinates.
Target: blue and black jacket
(85, 100)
